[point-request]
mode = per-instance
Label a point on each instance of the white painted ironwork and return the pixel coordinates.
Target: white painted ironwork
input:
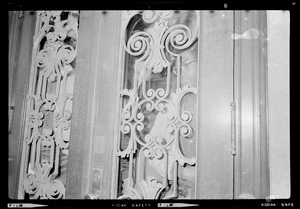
(49, 105)
(159, 81)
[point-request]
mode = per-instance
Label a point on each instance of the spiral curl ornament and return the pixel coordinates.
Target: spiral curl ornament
(149, 16)
(185, 130)
(186, 116)
(179, 37)
(150, 105)
(140, 116)
(150, 94)
(147, 151)
(55, 190)
(160, 93)
(42, 58)
(30, 184)
(148, 139)
(163, 105)
(66, 54)
(138, 44)
(158, 153)
(139, 126)
(126, 115)
(125, 128)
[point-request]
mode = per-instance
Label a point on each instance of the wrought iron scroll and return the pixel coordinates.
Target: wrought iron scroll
(49, 104)
(161, 52)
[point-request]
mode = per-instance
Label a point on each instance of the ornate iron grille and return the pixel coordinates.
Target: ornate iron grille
(157, 141)
(49, 105)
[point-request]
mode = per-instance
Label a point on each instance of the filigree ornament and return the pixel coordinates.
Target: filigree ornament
(42, 185)
(49, 103)
(150, 188)
(155, 48)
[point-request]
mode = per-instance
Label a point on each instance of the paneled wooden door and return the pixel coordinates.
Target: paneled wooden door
(125, 111)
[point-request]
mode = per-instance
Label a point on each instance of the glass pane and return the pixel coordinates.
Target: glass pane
(157, 147)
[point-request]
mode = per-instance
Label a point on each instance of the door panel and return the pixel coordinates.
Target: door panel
(215, 167)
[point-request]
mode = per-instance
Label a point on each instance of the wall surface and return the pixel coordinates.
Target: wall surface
(278, 92)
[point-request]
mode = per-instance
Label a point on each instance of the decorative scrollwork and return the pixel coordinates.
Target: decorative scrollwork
(150, 188)
(49, 103)
(65, 55)
(138, 44)
(152, 119)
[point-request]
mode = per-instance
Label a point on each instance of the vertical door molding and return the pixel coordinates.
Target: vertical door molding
(21, 31)
(89, 170)
(250, 76)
